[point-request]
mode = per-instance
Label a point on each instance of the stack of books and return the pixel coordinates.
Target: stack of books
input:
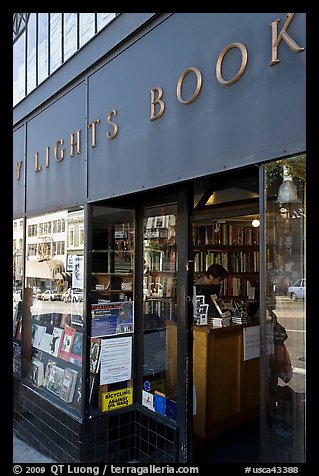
(244, 319)
(221, 321)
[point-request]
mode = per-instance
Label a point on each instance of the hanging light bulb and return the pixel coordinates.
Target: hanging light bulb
(287, 192)
(255, 223)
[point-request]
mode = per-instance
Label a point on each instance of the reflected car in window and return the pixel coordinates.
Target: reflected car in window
(297, 290)
(49, 296)
(73, 296)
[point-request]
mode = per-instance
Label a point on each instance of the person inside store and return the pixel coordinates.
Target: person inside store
(210, 283)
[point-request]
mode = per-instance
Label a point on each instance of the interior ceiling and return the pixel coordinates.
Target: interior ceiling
(232, 194)
(227, 189)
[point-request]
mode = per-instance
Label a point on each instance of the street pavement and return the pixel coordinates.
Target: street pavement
(24, 453)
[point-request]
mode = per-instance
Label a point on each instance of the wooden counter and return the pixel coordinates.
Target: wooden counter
(227, 387)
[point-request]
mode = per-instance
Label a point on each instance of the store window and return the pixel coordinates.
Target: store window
(285, 323)
(112, 309)
(159, 309)
(31, 53)
(86, 27)
(17, 268)
(19, 69)
(103, 19)
(70, 34)
(43, 50)
(55, 41)
(46, 37)
(49, 329)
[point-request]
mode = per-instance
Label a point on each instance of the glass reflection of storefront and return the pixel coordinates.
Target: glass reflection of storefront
(48, 326)
(160, 314)
(285, 325)
(102, 314)
(112, 309)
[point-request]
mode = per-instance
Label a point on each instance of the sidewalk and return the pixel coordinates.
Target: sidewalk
(23, 453)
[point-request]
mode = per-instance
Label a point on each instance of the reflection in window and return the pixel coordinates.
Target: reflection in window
(285, 226)
(42, 47)
(53, 324)
(38, 63)
(17, 269)
(103, 19)
(159, 303)
(87, 27)
(55, 41)
(31, 53)
(70, 34)
(19, 69)
(112, 309)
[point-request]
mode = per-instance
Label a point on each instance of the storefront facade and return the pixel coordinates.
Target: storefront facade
(117, 156)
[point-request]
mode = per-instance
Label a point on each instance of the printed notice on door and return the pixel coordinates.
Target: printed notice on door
(251, 342)
(116, 360)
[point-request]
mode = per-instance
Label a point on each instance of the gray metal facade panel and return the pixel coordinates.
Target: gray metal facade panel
(261, 116)
(62, 184)
(18, 185)
(258, 118)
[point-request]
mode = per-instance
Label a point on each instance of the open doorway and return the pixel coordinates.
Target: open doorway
(226, 318)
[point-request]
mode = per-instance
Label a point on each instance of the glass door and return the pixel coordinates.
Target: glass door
(160, 310)
(284, 311)
(166, 383)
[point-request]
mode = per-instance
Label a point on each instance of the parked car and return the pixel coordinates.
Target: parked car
(297, 290)
(49, 296)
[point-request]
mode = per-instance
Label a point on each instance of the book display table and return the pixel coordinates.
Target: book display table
(226, 385)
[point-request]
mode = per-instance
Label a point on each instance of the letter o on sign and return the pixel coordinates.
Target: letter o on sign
(244, 58)
(180, 82)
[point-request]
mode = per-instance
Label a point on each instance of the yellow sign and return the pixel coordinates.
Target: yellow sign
(117, 399)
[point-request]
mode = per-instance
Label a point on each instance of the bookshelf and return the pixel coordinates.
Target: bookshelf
(159, 280)
(235, 246)
(113, 286)
(112, 263)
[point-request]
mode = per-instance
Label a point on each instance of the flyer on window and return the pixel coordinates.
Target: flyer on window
(112, 318)
(116, 360)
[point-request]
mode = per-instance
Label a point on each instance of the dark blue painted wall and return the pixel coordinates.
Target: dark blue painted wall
(258, 118)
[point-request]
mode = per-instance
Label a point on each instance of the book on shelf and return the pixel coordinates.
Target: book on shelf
(76, 350)
(234, 234)
(240, 319)
(148, 400)
(94, 384)
(45, 342)
(218, 303)
(240, 308)
(160, 402)
(16, 357)
(171, 409)
(53, 377)
(36, 372)
(37, 355)
(76, 402)
(37, 333)
(221, 321)
(66, 342)
(68, 385)
(77, 319)
(95, 350)
(55, 341)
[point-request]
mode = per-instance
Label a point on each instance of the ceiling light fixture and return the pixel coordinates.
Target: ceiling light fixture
(287, 192)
